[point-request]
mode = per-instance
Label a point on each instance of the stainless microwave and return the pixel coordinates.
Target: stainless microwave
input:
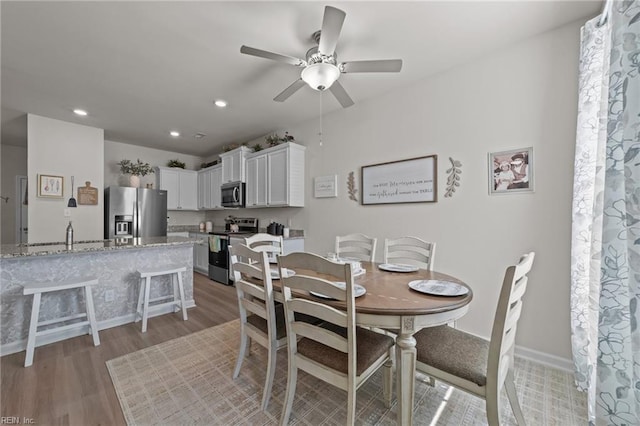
(233, 194)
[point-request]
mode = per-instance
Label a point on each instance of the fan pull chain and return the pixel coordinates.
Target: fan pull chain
(320, 134)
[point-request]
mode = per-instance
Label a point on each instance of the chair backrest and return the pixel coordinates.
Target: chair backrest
(409, 250)
(302, 281)
(505, 322)
(253, 298)
(357, 246)
(271, 244)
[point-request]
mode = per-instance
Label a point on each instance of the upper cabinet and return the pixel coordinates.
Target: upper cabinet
(275, 177)
(233, 164)
(181, 186)
(209, 182)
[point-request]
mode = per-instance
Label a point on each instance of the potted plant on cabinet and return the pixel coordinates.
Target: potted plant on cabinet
(135, 170)
(176, 164)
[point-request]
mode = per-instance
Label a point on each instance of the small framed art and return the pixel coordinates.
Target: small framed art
(511, 171)
(325, 186)
(50, 186)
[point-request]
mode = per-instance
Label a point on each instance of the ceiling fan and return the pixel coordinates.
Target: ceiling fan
(321, 69)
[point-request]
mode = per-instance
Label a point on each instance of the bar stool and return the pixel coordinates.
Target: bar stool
(37, 289)
(175, 272)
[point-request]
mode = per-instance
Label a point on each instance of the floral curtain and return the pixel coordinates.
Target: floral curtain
(605, 252)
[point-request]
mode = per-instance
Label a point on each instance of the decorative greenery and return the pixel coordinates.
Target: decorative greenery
(351, 187)
(233, 146)
(453, 178)
(275, 139)
(137, 169)
(209, 164)
(176, 163)
(257, 147)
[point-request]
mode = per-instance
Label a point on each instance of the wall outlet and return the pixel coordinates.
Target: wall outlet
(67, 212)
(109, 295)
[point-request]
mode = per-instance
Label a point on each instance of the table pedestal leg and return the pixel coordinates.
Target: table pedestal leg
(405, 371)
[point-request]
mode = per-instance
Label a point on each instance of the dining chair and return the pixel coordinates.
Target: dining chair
(409, 250)
(476, 365)
(271, 244)
(357, 246)
(260, 318)
(335, 351)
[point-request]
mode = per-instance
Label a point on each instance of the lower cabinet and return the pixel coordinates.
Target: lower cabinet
(201, 253)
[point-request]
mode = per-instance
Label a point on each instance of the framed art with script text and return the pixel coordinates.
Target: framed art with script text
(406, 181)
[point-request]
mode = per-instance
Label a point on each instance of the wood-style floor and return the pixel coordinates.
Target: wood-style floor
(68, 383)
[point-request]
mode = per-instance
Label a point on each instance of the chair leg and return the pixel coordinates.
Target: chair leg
(510, 387)
(33, 328)
(244, 340)
(351, 406)
(91, 314)
(271, 370)
(291, 391)
(176, 294)
(493, 407)
(387, 388)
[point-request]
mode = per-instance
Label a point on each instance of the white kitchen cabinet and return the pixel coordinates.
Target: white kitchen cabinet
(233, 164)
(181, 186)
(201, 253)
(256, 181)
(209, 181)
(275, 177)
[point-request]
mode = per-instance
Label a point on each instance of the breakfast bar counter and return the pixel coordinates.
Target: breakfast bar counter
(113, 262)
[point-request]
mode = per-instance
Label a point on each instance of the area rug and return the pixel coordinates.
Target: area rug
(187, 381)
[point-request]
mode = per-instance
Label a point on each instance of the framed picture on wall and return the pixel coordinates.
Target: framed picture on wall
(511, 171)
(50, 186)
(325, 186)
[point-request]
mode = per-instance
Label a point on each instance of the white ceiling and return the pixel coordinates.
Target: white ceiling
(142, 69)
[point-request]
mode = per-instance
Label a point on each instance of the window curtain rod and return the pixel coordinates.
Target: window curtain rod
(605, 12)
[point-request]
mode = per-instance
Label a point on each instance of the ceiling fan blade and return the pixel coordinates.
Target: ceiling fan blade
(331, 27)
(273, 56)
(295, 86)
(341, 95)
(385, 65)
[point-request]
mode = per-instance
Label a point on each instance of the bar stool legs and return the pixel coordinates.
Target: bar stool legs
(177, 298)
(37, 289)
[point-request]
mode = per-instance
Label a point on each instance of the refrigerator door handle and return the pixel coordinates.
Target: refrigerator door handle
(135, 232)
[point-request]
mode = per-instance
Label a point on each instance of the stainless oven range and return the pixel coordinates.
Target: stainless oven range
(219, 246)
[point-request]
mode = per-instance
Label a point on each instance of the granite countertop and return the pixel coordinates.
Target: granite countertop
(8, 251)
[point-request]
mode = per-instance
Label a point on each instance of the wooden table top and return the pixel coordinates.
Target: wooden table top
(388, 293)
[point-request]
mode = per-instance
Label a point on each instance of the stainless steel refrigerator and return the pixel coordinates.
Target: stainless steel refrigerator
(134, 212)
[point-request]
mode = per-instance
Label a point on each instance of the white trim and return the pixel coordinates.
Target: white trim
(21, 345)
(545, 359)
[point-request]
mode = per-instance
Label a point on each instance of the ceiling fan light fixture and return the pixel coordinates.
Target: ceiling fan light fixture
(320, 76)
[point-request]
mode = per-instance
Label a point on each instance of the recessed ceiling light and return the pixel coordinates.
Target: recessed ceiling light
(80, 112)
(220, 103)
(199, 135)
(174, 133)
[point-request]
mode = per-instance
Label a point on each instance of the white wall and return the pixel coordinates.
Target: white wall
(523, 96)
(116, 151)
(14, 163)
(64, 149)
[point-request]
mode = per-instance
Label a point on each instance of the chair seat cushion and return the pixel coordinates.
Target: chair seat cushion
(281, 327)
(454, 351)
(369, 347)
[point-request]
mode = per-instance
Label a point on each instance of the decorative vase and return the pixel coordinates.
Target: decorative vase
(134, 181)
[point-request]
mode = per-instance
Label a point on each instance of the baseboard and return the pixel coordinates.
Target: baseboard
(545, 359)
(21, 345)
